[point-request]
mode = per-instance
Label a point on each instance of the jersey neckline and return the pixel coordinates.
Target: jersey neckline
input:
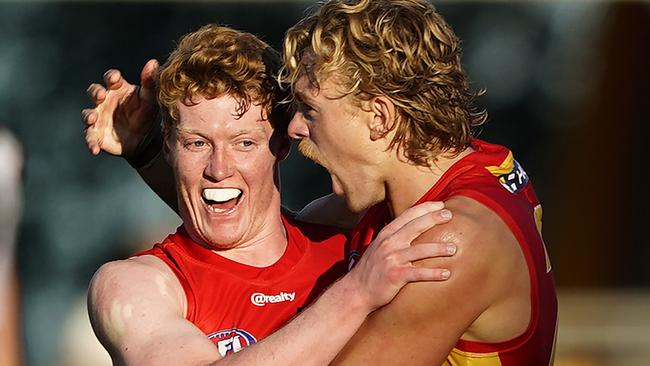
(294, 251)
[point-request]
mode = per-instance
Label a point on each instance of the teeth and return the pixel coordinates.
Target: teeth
(221, 194)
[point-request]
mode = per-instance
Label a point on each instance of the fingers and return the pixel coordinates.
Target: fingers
(411, 214)
(89, 116)
(147, 80)
(148, 73)
(96, 93)
(113, 79)
(419, 274)
(91, 135)
(92, 140)
(426, 250)
(414, 228)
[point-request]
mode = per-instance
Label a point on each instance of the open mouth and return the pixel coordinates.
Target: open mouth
(221, 199)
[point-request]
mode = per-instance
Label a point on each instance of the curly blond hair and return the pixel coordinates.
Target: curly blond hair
(401, 49)
(215, 61)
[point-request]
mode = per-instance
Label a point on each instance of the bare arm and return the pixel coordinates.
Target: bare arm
(319, 332)
(424, 322)
(137, 311)
(125, 122)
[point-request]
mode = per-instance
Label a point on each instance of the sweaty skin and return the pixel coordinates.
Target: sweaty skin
(161, 281)
(488, 255)
(120, 315)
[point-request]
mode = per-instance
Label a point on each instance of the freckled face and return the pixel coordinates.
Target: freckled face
(224, 170)
(334, 132)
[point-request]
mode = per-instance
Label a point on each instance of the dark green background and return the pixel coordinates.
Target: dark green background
(566, 91)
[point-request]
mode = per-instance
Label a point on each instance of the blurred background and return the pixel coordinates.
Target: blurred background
(567, 90)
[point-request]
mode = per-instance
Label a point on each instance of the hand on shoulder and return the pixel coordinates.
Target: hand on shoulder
(489, 268)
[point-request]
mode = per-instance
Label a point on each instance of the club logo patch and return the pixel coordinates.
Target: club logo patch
(510, 174)
(231, 340)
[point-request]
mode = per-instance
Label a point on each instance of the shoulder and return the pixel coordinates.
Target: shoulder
(489, 267)
(121, 289)
(133, 270)
(475, 228)
(142, 281)
(137, 310)
(488, 253)
(129, 278)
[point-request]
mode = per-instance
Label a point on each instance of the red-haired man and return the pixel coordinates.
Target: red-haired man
(238, 268)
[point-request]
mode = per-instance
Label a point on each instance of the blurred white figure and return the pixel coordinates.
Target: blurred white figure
(79, 346)
(11, 163)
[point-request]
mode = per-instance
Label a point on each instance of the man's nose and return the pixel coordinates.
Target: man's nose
(220, 165)
(297, 127)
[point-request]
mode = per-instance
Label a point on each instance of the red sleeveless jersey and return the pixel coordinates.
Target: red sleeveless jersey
(491, 176)
(236, 305)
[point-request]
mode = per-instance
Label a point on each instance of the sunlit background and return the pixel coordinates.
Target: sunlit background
(567, 90)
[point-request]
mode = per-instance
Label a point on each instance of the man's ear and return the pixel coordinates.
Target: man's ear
(383, 117)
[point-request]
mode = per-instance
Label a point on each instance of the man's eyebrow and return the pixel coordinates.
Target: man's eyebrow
(258, 130)
(190, 131)
(303, 98)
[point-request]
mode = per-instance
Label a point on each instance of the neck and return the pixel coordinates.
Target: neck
(263, 250)
(407, 183)
(267, 245)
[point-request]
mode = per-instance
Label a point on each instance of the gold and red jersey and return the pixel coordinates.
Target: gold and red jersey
(491, 176)
(235, 304)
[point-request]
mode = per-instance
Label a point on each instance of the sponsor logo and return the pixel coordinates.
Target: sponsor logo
(231, 340)
(260, 299)
(352, 259)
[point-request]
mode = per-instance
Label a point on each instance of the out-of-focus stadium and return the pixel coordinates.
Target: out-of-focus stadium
(568, 87)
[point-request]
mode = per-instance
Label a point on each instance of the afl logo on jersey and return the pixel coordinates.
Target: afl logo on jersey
(352, 259)
(231, 340)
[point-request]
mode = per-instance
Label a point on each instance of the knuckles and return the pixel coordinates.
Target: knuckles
(395, 275)
(390, 260)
